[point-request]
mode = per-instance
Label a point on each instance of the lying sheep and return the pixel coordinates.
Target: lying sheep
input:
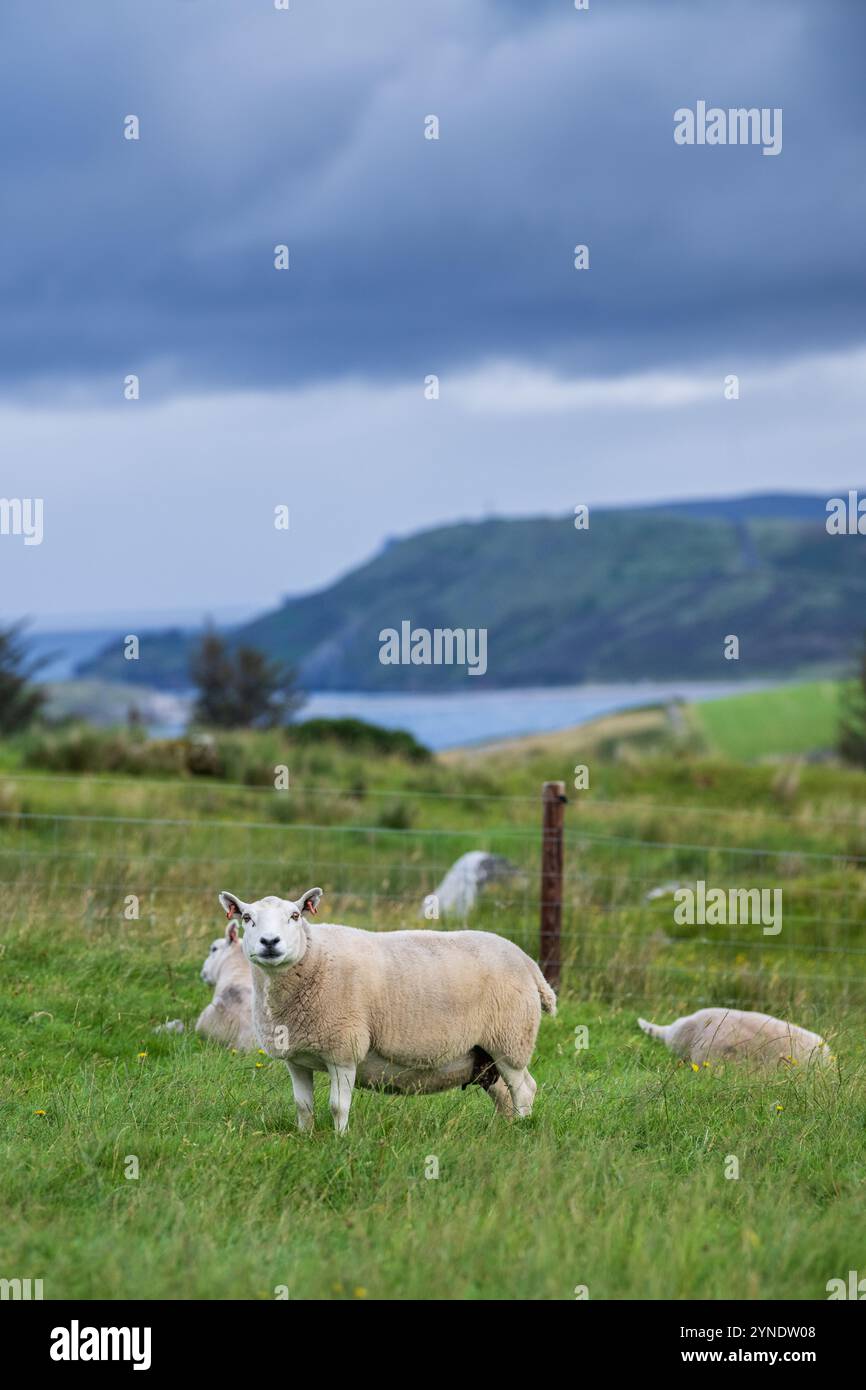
(458, 892)
(732, 1034)
(228, 1018)
(405, 1011)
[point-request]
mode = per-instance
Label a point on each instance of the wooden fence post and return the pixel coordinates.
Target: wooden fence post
(553, 800)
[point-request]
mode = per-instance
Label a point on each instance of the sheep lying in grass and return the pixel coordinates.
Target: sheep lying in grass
(404, 1011)
(228, 1018)
(732, 1034)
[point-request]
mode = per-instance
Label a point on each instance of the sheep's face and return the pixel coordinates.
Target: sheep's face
(273, 934)
(217, 954)
(213, 960)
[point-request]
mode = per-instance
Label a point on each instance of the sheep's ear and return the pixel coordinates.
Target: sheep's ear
(310, 900)
(231, 932)
(231, 905)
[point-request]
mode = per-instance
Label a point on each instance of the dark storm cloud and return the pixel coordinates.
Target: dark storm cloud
(409, 255)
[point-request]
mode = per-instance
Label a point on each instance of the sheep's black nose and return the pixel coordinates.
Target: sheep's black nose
(269, 941)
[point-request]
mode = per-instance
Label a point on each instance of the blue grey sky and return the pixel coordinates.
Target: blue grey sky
(408, 257)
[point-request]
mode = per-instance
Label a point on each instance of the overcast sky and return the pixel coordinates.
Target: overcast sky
(408, 257)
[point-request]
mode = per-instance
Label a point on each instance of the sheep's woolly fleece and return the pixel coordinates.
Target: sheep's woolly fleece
(736, 1035)
(404, 1010)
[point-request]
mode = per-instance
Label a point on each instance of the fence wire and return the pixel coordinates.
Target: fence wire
(621, 935)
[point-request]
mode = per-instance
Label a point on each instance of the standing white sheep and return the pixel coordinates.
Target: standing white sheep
(404, 1011)
(733, 1034)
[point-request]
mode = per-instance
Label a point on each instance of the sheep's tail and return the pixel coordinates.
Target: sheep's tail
(655, 1030)
(546, 994)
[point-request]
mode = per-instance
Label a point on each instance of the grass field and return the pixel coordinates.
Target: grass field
(617, 1183)
(787, 720)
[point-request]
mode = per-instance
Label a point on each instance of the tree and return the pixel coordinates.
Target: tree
(241, 688)
(20, 701)
(212, 675)
(852, 718)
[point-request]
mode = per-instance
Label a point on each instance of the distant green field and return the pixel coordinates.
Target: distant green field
(790, 719)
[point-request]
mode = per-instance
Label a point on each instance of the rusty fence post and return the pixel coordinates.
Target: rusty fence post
(553, 801)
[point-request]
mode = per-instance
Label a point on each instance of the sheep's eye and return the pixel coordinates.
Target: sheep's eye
(295, 916)
(246, 918)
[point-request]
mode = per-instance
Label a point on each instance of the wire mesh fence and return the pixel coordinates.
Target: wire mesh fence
(625, 933)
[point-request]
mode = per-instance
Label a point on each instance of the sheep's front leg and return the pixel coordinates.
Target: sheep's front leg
(501, 1097)
(302, 1087)
(342, 1081)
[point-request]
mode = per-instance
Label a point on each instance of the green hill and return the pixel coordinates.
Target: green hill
(642, 593)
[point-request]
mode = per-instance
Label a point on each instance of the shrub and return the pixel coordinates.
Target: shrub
(83, 749)
(244, 757)
(361, 736)
(396, 815)
(852, 718)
